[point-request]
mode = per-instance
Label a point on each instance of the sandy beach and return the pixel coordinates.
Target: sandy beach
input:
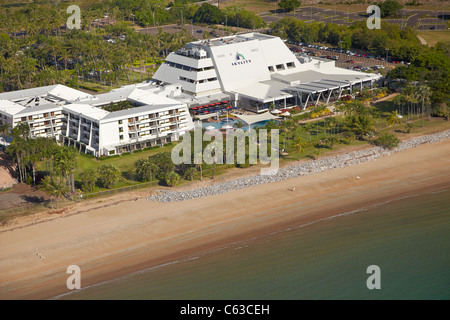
(111, 237)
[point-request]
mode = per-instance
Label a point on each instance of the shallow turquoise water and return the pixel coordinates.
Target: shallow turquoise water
(231, 122)
(409, 239)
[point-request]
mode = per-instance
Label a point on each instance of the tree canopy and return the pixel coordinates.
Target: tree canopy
(208, 13)
(289, 5)
(389, 8)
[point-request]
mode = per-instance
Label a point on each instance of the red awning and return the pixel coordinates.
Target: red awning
(194, 108)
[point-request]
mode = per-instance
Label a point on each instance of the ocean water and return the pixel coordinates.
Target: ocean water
(408, 239)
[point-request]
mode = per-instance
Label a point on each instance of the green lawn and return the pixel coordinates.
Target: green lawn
(433, 37)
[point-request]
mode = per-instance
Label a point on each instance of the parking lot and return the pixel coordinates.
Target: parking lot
(343, 59)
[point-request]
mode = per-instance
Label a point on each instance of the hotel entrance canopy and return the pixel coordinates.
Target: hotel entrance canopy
(264, 92)
(250, 119)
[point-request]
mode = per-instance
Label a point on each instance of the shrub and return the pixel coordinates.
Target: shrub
(387, 141)
(108, 175)
(172, 179)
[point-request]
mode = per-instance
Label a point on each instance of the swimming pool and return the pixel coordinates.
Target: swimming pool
(231, 122)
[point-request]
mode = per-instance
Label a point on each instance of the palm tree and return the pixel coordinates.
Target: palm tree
(66, 164)
(108, 175)
(239, 124)
(55, 186)
(400, 100)
(299, 146)
(424, 94)
(189, 173)
(172, 179)
(88, 179)
(360, 124)
(393, 118)
(199, 155)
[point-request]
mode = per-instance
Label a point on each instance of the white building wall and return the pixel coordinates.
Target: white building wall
(235, 73)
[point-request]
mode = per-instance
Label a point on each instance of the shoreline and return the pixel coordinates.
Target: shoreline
(112, 242)
(301, 169)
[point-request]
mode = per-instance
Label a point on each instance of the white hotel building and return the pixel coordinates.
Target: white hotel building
(254, 71)
(77, 119)
(250, 70)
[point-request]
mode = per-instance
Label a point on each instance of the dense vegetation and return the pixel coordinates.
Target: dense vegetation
(402, 44)
(431, 67)
(36, 48)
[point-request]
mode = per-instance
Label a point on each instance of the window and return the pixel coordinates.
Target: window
(120, 121)
(121, 137)
(280, 67)
(271, 68)
(120, 129)
(23, 119)
(290, 65)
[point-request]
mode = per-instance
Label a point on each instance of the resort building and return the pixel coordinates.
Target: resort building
(252, 71)
(256, 71)
(80, 120)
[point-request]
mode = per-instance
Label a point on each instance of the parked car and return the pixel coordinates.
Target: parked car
(350, 61)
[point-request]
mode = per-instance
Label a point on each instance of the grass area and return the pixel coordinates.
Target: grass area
(433, 37)
(256, 6)
(125, 163)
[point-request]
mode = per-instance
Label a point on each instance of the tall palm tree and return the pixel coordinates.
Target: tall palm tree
(424, 94)
(299, 146)
(66, 164)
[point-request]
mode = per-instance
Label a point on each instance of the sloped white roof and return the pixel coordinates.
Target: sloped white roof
(58, 91)
(68, 94)
(250, 119)
(264, 92)
(86, 110)
(10, 107)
